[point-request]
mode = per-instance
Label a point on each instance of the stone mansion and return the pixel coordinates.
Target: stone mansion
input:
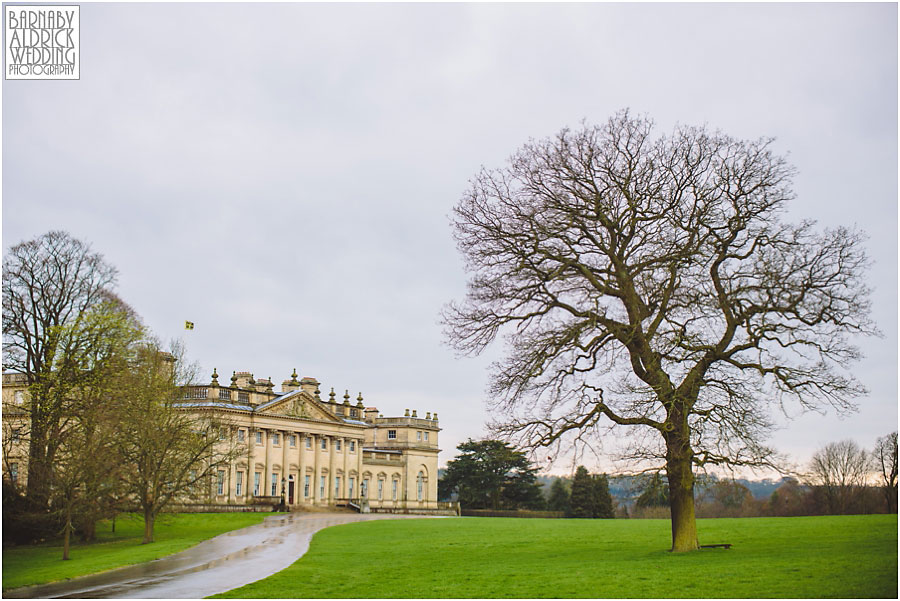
(315, 452)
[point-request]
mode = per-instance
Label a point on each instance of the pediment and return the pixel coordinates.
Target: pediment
(301, 405)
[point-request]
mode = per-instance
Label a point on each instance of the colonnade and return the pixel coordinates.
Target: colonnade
(274, 464)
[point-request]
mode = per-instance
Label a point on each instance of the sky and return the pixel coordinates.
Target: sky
(282, 174)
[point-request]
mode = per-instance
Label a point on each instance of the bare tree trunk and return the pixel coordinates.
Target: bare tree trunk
(38, 485)
(67, 532)
(679, 467)
(149, 519)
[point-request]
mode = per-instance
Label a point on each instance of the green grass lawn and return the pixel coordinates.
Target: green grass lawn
(38, 564)
(834, 556)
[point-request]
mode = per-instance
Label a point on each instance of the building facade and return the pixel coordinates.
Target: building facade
(293, 444)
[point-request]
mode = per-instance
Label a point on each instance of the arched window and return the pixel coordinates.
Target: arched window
(420, 486)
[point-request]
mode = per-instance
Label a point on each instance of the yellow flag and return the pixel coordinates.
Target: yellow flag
(188, 325)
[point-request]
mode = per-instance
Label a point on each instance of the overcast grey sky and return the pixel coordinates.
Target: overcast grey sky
(282, 174)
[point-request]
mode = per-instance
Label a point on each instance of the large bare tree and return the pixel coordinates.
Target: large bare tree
(650, 282)
(50, 284)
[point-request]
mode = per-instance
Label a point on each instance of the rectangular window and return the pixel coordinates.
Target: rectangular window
(337, 444)
(220, 482)
(352, 446)
(322, 487)
(364, 489)
(274, 484)
(258, 437)
(324, 444)
(380, 489)
(16, 435)
(419, 435)
(244, 397)
(392, 434)
(257, 476)
(393, 490)
(308, 442)
(426, 437)
(350, 484)
(293, 440)
(14, 472)
(354, 413)
(20, 397)
(306, 487)
(221, 433)
(239, 484)
(224, 394)
(240, 436)
(276, 439)
(337, 487)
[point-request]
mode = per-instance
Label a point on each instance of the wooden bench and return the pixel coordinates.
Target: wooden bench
(725, 545)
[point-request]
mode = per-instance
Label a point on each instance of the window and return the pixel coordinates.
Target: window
(20, 397)
(224, 394)
(306, 487)
(309, 442)
(293, 440)
(337, 444)
(354, 413)
(364, 489)
(322, 487)
(426, 437)
(220, 482)
(337, 487)
(258, 437)
(221, 433)
(276, 439)
(420, 481)
(352, 446)
(392, 434)
(393, 490)
(241, 435)
(16, 435)
(380, 489)
(419, 435)
(244, 397)
(324, 444)
(14, 472)
(350, 484)
(274, 484)
(239, 484)
(257, 476)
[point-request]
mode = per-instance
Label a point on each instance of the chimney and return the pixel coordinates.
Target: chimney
(309, 385)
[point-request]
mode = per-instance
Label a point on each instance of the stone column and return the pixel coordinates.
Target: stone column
(285, 471)
(316, 470)
(301, 466)
(251, 459)
(329, 482)
(359, 467)
(264, 485)
(345, 483)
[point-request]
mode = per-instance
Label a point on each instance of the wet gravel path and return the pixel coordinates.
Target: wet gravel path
(214, 566)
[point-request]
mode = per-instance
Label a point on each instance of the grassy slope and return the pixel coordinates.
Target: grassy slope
(38, 564)
(835, 556)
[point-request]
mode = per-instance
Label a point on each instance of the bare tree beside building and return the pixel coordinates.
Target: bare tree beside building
(652, 283)
(167, 452)
(50, 284)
